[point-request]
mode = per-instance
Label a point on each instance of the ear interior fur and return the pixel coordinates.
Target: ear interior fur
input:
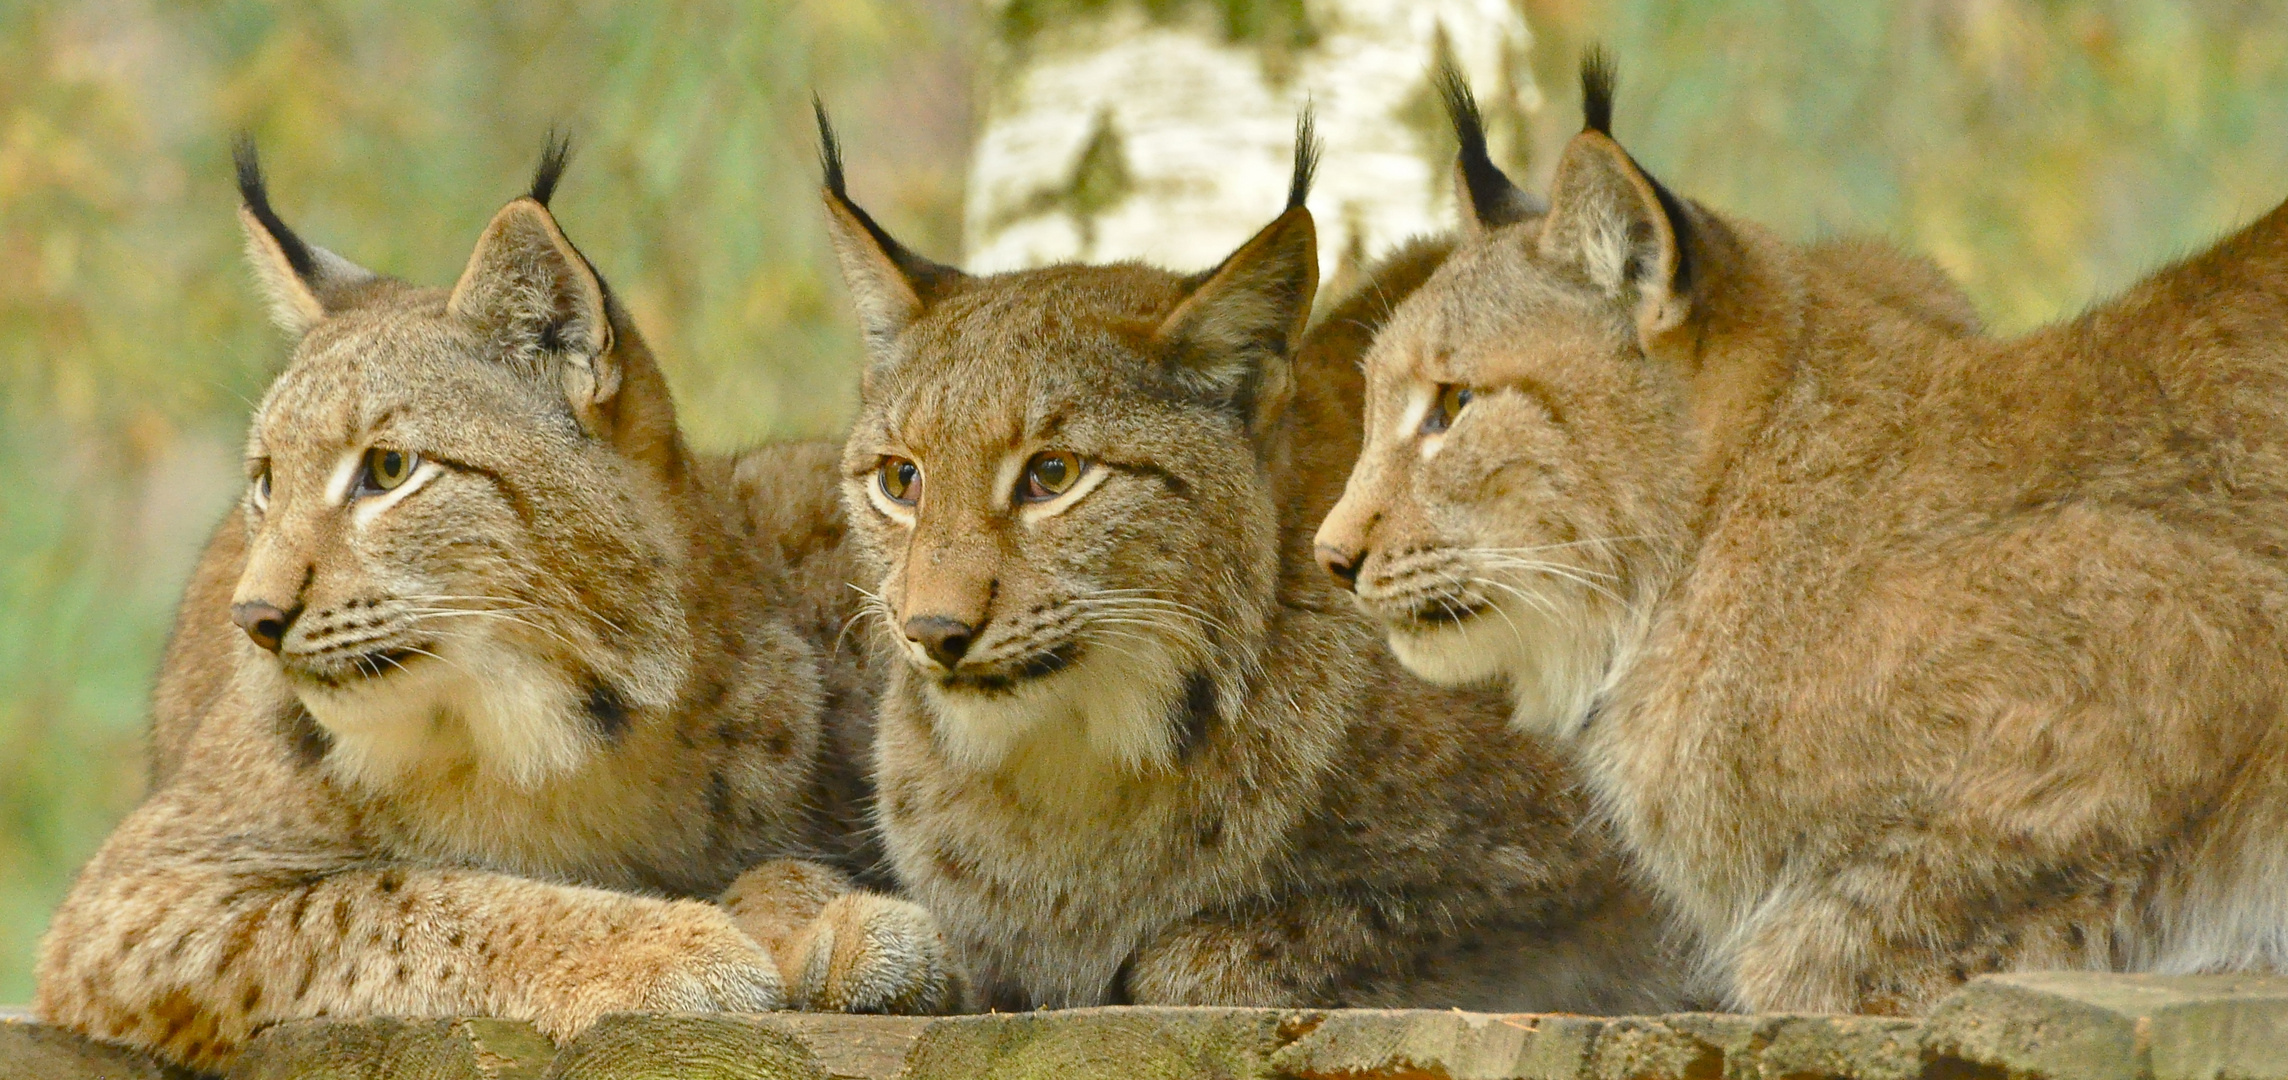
(886, 298)
(1233, 337)
(303, 282)
(1230, 340)
(537, 297)
(1613, 222)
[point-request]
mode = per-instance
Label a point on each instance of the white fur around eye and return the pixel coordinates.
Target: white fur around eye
(891, 508)
(343, 479)
(366, 509)
(1092, 474)
(1419, 401)
(1009, 471)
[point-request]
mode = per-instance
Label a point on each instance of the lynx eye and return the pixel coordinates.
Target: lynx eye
(387, 470)
(901, 480)
(262, 489)
(1050, 475)
(1452, 399)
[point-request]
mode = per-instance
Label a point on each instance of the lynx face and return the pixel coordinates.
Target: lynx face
(458, 544)
(1044, 500)
(1521, 482)
(1057, 475)
(1497, 533)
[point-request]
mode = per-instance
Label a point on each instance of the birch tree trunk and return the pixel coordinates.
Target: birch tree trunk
(1162, 129)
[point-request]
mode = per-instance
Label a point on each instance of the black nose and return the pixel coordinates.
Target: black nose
(263, 622)
(1342, 564)
(943, 638)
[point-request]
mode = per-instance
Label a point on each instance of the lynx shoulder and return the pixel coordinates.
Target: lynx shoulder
(1899, 653)
(515, 683)
(1132, 747)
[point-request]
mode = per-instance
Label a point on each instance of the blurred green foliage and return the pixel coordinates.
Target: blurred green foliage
(2044, 151)
(1264, 22)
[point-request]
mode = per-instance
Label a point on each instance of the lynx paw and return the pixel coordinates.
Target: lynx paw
(868, 953)
(1208, 963)
(687, 957)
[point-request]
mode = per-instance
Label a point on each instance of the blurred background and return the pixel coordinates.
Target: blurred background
(2045, 152)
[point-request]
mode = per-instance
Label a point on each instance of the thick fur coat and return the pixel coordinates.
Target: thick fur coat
(1134, 748)
(1898, 654)
(516, 679)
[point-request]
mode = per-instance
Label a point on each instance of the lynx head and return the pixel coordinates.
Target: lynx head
(460, 503)
(1526, 440)
(1060, 476)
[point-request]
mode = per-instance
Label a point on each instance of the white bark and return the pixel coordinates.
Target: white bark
(1192, 133)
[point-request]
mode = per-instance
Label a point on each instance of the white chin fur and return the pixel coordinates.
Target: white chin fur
(1109, 708)
(1554, 657)
(517, 717)
(1450, 654)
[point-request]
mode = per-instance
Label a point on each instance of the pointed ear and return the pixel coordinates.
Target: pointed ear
(889, 284)
(1233, 338)
(1615, 224)
(1487, 197)
(303, 282)
(535, 296)
(544, 309)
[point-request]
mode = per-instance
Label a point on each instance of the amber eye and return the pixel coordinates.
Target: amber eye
(1050, 475)
(901, 480)
(388, 470)
(1452, 399)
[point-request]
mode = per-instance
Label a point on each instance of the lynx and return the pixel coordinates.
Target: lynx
(1133, 747)
(515, 677)
(1898, 654)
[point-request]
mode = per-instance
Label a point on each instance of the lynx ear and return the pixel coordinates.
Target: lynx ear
(303, 282)
(1487, 197)
(1613, 222)
(537, 298)
(1231, 340)
(889, 284)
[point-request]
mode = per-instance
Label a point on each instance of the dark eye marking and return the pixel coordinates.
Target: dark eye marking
(500, 483)
(1543, 396)
(1176, 485)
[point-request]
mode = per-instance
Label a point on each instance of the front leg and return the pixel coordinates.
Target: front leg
(1907, 915)
(844, 949)
(1290, 953)
(187, 944)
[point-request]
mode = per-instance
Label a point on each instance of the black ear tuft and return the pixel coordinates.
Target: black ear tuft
(1307, 148)
(1462, 109)
(1486, 181)
(921, 272)
(1598, 77)
(1493, 199)
(555, 153)
(829, 151)
(256, 195)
